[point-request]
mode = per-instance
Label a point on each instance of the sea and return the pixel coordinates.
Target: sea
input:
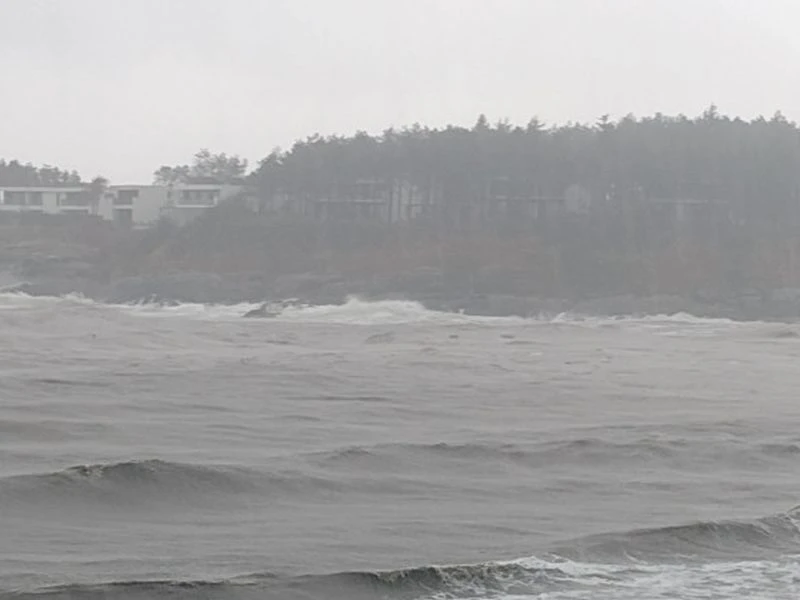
(382, 450)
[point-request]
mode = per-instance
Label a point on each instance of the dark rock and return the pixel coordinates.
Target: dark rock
(262, 312)
(381, 338)
(268, 310)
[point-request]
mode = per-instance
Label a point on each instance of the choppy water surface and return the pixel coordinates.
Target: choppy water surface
(384, 451)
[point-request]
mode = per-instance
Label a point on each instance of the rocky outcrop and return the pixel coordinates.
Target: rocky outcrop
(497, 292)
(269, 310)
(262, 312)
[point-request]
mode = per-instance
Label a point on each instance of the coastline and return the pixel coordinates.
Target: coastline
(779, 305)
(481, 276)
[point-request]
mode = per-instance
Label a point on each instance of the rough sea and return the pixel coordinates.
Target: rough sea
(380, 450)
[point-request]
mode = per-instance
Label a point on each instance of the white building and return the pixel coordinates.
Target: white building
(125, 205)
(185, 202)
(47, 200)
(133, 205)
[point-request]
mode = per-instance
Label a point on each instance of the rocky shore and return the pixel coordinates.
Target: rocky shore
(491, 293)
(477, 277)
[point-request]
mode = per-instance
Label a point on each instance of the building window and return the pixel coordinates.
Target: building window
(14, 198)
(126, 197)
(35, 199)
(198, 197)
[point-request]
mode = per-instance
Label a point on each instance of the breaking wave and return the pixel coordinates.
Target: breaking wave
(628, 565)
(385, 312)
(353, 312)
(356, 311)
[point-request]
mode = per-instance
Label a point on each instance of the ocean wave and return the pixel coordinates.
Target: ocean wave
(383, 312)
(581, 450)
(468, 450)
(10, 299)
(456, 581)
(21, 301)
(582, 455)
(668, 562)
(123, 483)
(771, 536)
(138, 589)
(397, 312)
(357, 311)
(353, 312)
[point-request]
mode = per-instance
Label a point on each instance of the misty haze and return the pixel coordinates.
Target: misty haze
(407, 301)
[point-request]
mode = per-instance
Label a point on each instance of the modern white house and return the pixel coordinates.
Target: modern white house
(185, 202)
(125, 205)
(133, 205)
(47, 200)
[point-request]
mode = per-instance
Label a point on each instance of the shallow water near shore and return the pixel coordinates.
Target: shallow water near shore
(381, 450)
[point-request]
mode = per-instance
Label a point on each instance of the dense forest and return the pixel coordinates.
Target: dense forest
(670, 202)
(750, 166)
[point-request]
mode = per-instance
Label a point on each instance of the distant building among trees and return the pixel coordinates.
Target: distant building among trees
(657, 175)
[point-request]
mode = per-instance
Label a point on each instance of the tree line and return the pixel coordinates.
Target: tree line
(13, 173)
(206, 167)
(752, 166)
(749, 165)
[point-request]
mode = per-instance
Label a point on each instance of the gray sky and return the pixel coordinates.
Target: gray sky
(119, 87)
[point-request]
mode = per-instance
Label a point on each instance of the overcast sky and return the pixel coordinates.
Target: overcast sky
(119, 87)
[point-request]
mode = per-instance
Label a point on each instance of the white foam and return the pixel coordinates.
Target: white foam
(19, 300)
(356, 311)
(353, 312)
(383, 312)
(190, 310)
(751, 580)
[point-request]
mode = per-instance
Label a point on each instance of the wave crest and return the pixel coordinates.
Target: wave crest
(123, 482)
(357, 311)
(422, 582)
(702, 553)
(583, 450)
(706, 540)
